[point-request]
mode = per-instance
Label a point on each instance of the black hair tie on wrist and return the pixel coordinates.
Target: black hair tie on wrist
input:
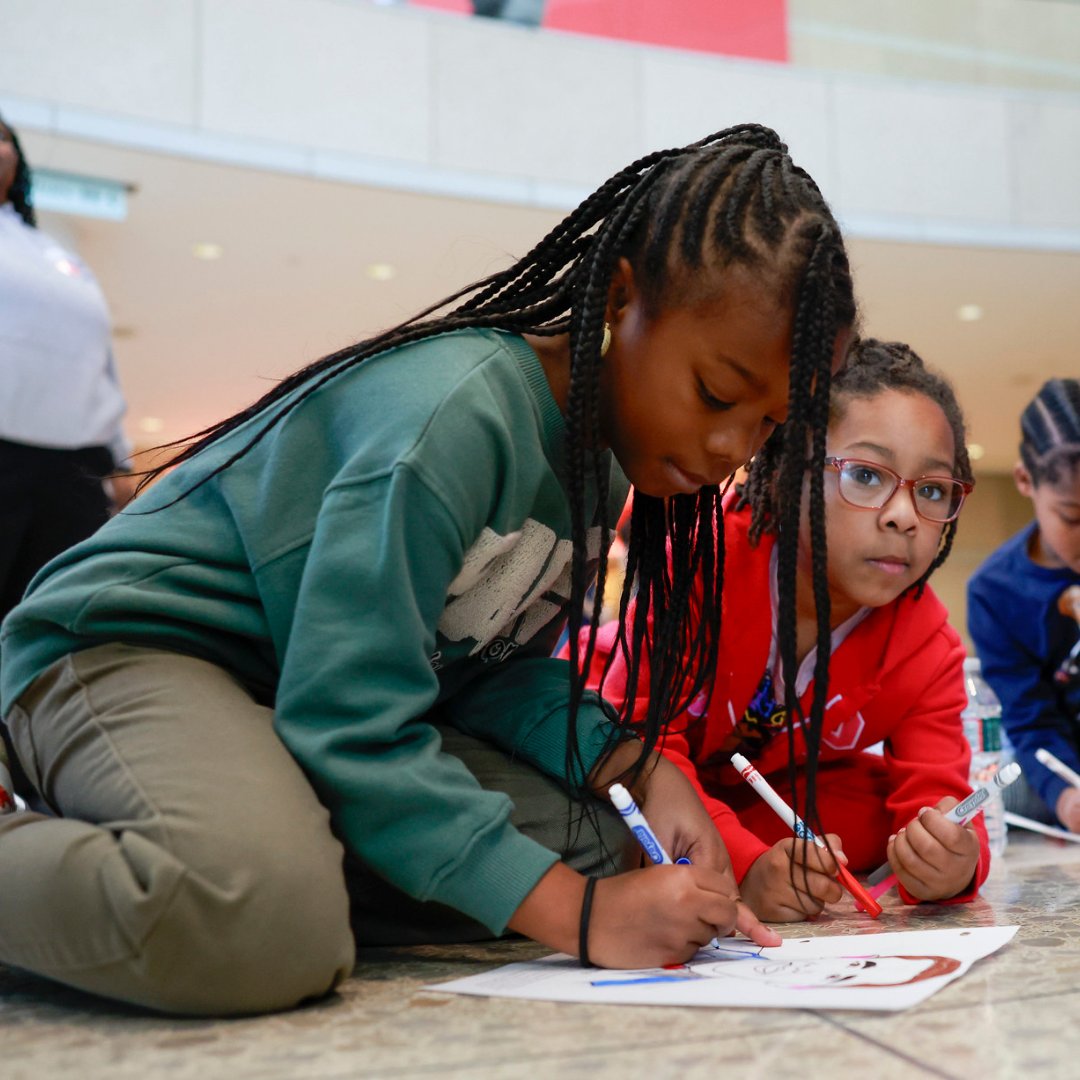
(583, 926)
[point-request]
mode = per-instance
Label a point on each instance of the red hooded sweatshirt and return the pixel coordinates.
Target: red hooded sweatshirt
(896, 679)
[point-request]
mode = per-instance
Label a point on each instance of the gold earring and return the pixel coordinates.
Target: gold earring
(606, 343)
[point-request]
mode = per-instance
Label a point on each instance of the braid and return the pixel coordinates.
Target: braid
(811, 373)
(788, 234)
(583, 427)
(1050, 425)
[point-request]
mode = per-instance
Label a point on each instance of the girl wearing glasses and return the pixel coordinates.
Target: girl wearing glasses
(895, 478)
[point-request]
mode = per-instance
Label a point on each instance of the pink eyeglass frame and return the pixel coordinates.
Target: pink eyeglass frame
(966, 486)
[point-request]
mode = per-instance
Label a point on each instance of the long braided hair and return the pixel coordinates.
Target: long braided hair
(872, 367)
(19, 194)
(682, 217)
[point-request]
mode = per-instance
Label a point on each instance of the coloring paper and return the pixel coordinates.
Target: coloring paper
(852, 971)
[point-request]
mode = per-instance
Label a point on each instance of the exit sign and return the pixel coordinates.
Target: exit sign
(84, 196)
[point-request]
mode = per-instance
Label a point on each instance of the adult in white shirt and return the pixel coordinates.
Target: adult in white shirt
(60, 401)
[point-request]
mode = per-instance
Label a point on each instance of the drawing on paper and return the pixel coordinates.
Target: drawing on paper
(880, 971)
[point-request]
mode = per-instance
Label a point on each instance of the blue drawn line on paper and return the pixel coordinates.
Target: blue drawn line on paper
(638, 982)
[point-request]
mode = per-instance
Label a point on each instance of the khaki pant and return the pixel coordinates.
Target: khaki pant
(193, 869)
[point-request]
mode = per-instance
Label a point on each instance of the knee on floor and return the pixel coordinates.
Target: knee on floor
(264, 937)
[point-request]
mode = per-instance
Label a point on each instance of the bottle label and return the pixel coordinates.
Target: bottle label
(983, 733)
(991, 734)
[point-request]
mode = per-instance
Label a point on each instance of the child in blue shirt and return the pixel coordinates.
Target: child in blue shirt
(1023, 636)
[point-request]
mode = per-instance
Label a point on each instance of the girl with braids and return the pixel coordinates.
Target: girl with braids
(1019, 615)
(332, 618)
(895, 476)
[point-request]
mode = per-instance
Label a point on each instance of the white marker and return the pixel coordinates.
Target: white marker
(861, 895)
(964, 811)
(1056, 765)
(1021, 822)
(768, 793)
(623, 801)
(883, 879)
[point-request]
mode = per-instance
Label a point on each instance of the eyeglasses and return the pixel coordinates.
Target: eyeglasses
(870, 486)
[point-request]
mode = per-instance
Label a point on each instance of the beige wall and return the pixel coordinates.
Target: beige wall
(411, 99)
(991, 515)
(1034, 44)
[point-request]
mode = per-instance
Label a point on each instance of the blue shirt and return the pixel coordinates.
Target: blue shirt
(1022, 639)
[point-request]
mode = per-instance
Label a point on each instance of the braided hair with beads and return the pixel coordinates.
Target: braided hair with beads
(683, 217)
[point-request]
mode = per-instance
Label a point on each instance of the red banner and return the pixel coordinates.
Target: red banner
(756, 28)
(753, 28)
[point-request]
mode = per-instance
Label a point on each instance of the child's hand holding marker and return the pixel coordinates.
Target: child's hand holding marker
(863, 900)
(933, 857)
(917, 861)
(776, 884)
(664, 915)
(659, 915)
(676, 909)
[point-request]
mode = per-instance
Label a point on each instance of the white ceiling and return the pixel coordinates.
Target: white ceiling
(197, 340)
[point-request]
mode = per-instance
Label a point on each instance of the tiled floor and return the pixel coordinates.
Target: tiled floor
(1015, 1014)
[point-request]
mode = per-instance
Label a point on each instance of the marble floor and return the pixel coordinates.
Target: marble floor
(1015, 1014)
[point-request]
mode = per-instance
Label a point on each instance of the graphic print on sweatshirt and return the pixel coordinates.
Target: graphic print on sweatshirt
(509, 588)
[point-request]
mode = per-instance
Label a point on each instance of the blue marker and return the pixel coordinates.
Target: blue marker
(635, 821)
(623, 801)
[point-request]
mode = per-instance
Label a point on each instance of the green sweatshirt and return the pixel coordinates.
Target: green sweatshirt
(398, 543)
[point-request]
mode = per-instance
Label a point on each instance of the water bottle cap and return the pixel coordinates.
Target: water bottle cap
(972, 665)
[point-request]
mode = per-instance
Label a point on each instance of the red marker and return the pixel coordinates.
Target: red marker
(7, 792)
(799, 827)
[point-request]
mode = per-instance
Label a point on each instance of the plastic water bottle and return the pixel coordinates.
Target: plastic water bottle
(982, 729)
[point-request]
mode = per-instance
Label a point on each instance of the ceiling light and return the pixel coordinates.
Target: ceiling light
(151, 424)
(969, 313)
(381, 271)
(207, 251)
(976, 451)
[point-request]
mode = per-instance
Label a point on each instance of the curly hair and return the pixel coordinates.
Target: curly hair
(872, 367)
